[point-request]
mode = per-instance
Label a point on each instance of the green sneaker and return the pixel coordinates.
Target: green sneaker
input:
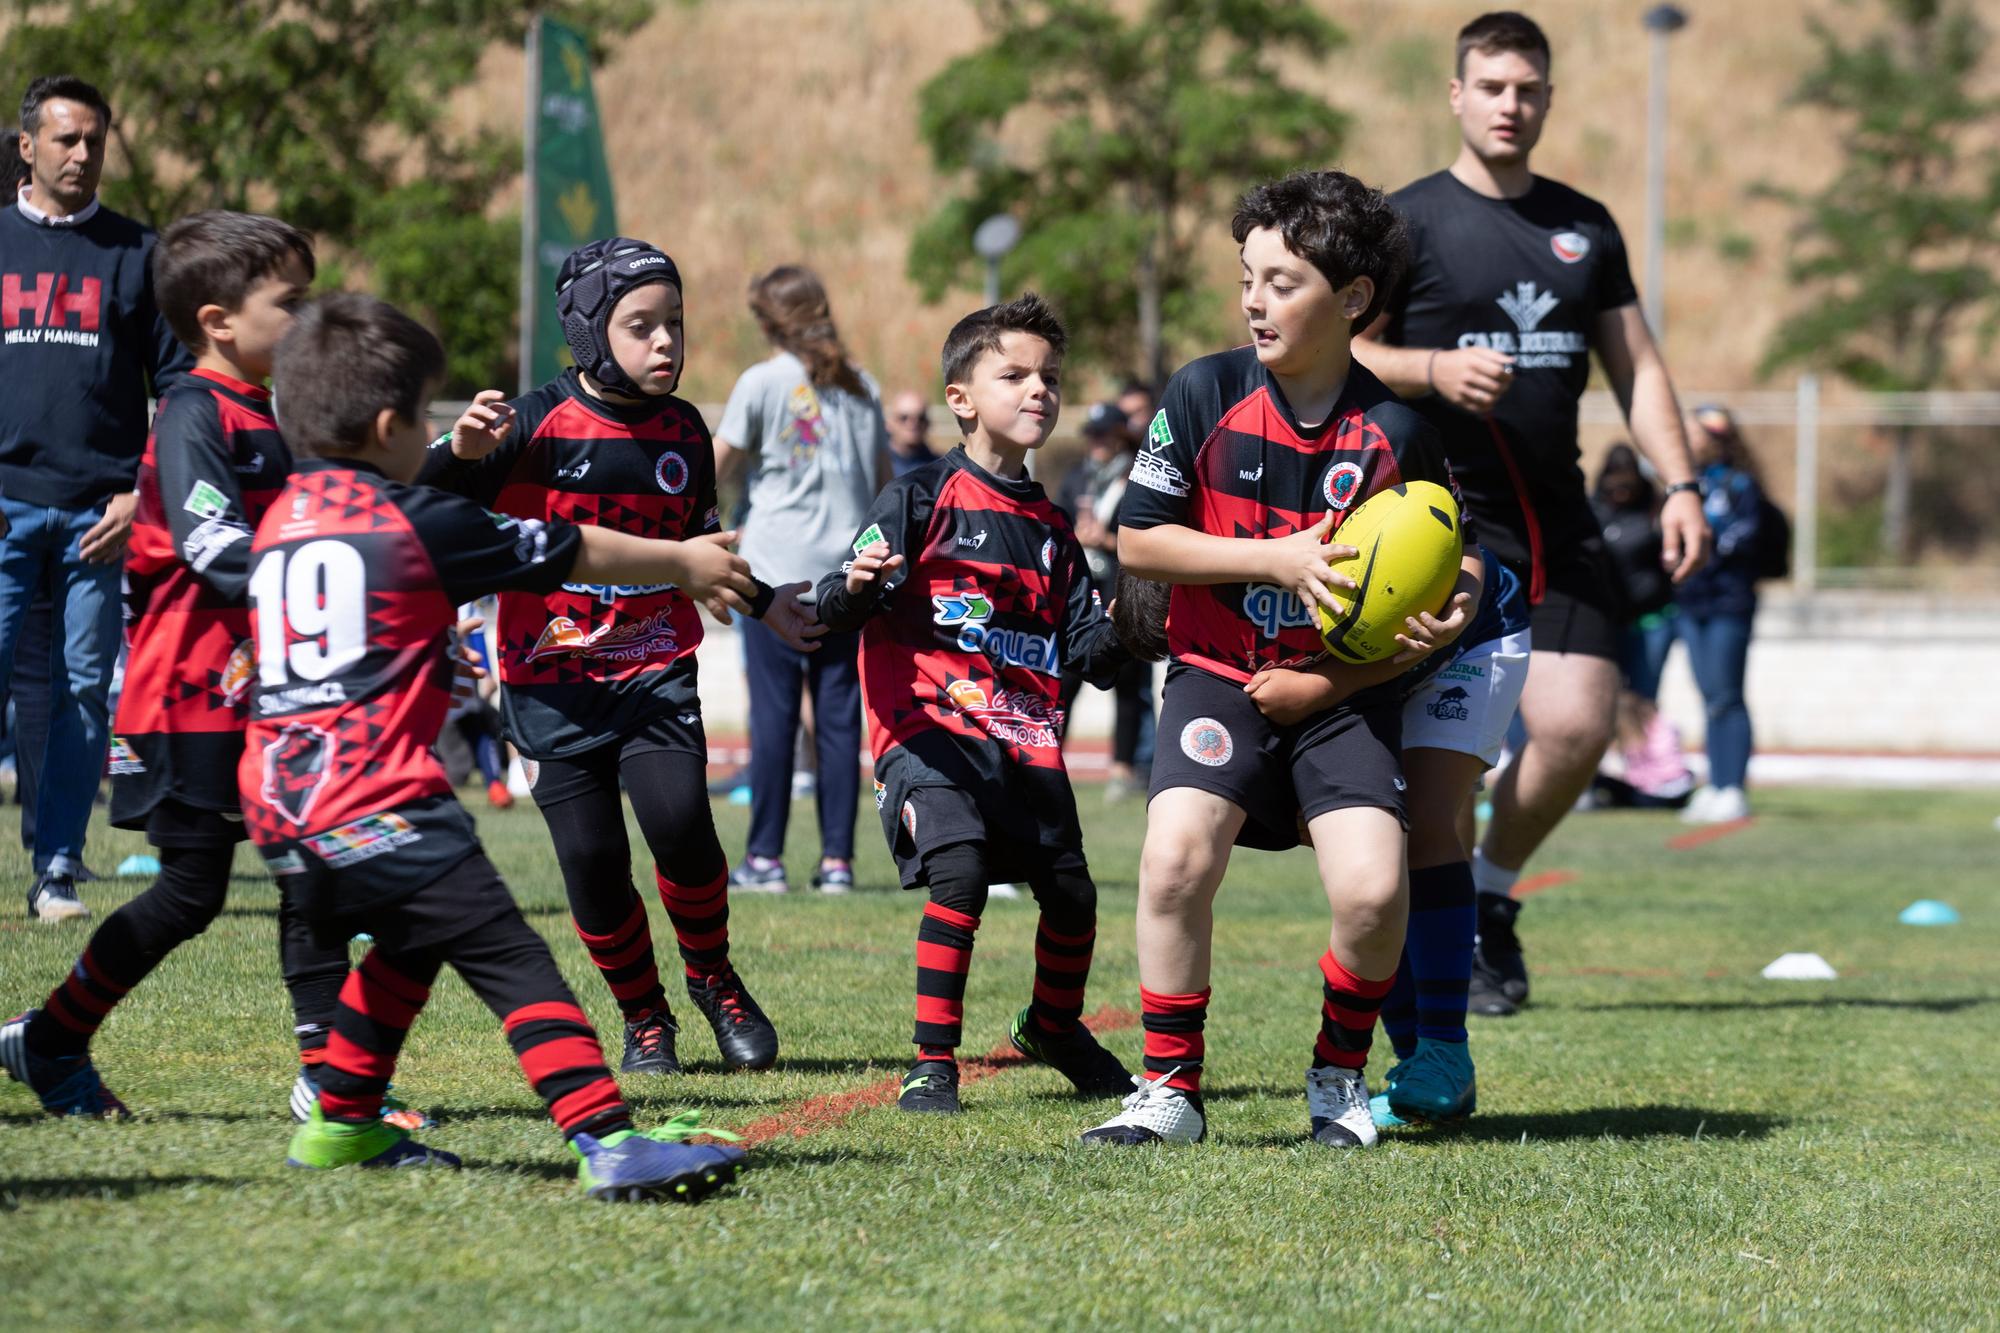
(325, 1145)
(1437, 1083)
(1095, 1071)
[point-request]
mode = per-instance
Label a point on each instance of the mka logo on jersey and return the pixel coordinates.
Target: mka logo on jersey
(1531, 348)
(967, 612)
(40, 314)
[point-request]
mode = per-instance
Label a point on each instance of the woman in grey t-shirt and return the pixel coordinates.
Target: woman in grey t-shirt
(807, 426)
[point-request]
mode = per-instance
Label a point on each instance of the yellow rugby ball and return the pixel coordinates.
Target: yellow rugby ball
(1409, 543)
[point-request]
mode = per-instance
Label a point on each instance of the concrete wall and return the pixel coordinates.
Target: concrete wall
(1840, 671)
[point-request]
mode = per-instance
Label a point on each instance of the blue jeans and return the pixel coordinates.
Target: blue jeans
(777, 674)
(1719, 651)
(1642, 652)
(42, 544)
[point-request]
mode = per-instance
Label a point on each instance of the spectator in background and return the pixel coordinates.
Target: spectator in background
(27, 731)
(1653, 769)
(73, 424)
(1628, 509)
(807, 424)
(909, 433)
(1717, 605)
(1135, 400)
(1090, 494)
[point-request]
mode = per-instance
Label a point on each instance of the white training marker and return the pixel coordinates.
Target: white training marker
(1800, 967)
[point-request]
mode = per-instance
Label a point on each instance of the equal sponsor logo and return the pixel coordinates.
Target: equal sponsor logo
(1015, 717)
(1341, 484)
(634, 641)
(124, 759)
(1207, 742)
(967, 613)
(672, 473)
(362, 840)
(1273, 609)
(1450, 705)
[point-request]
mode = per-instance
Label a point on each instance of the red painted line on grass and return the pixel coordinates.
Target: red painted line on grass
(1701, 837)
(822, 1113)
(1548, 879)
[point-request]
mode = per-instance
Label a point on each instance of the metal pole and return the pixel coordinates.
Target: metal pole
(993, 281)
(530, 214)
(1661, 22)
(1805, 518)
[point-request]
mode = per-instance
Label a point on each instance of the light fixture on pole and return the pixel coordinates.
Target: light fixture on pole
(1661, 22)
(991, 242)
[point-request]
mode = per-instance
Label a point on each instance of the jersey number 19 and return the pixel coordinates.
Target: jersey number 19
(320, 595)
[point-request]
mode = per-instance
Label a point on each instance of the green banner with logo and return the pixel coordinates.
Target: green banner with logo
(569, 187)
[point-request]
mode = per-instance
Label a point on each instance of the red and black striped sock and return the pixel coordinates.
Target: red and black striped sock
(700, 916)
(377, 1006)
(1062, 970)
(1174, 1040)
(944, 956)
(131, 942)
(624, 955)
(74, 1010)
(560, 1054)
(1347, 1014)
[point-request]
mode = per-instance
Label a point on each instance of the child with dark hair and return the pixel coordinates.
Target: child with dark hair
(1255, 457)
(355, 577)
(227, 283)
(972, 595)
(597, 680)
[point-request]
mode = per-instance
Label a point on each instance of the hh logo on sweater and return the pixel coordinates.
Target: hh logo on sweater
(38, 310)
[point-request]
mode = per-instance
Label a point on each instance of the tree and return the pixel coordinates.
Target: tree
(1152, 126)
(1898, 250)
(330, 114)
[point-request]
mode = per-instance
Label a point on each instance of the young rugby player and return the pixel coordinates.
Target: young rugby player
(1250, 464)
(975, 596)
(354, 578)
(597, 680)
(227, 284)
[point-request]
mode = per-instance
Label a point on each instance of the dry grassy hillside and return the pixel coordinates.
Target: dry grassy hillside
(749, 132)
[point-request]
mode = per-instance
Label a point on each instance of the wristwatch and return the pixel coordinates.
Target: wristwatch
(1680, 486)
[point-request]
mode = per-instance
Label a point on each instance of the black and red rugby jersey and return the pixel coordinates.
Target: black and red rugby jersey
(969, 639)
(354, 585)
(213, 463)
(1226, 456)
(589, 662)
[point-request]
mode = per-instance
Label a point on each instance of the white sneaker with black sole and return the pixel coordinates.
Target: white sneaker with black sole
(1337, 1100)
(1157, 1113)
(53, 898)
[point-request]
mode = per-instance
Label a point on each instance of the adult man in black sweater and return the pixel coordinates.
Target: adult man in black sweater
(80, 343)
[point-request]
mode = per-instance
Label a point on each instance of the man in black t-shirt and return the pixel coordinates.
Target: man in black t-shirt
(1514, 281)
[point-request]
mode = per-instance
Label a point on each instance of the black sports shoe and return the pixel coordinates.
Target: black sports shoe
(742, 1033)
(649, 1045)
(932, 1086)
(1498, 952)
(1485, 997)
(1077, 1057)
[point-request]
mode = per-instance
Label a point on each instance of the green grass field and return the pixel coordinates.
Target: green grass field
(1665, 1139)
